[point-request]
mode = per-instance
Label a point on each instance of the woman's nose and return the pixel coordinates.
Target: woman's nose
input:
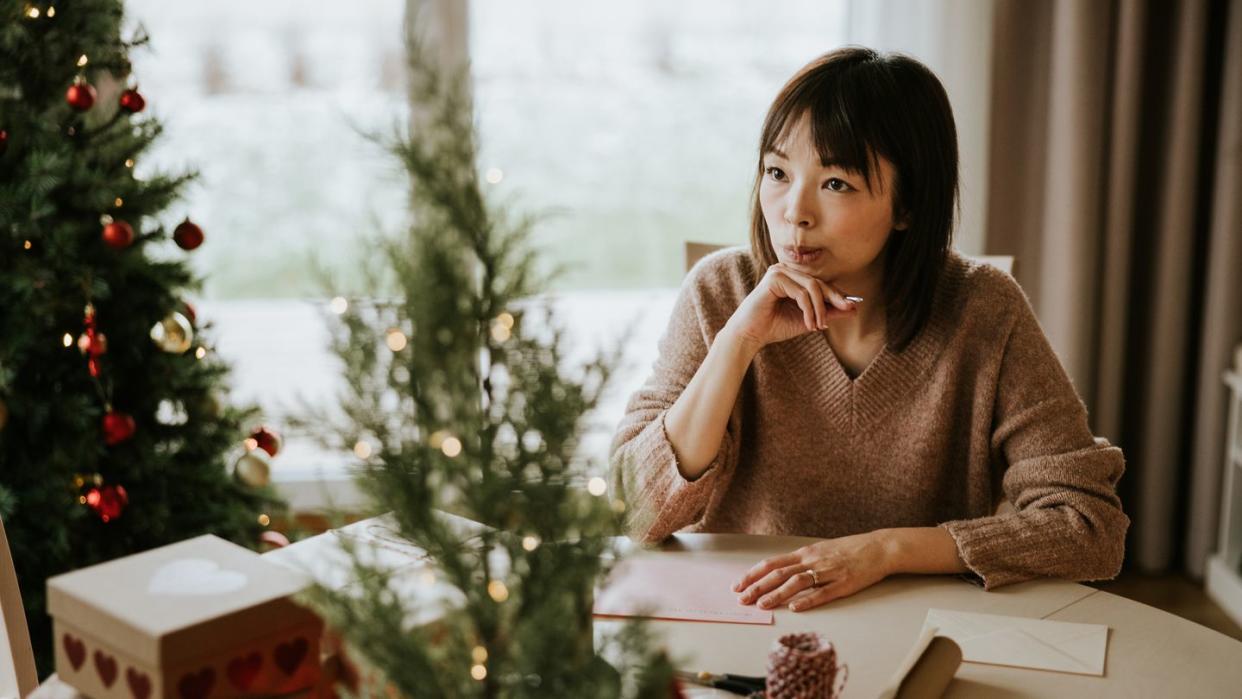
(799, 208)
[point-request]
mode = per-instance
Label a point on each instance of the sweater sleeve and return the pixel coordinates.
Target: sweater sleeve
(659, 500)
(1061, 479)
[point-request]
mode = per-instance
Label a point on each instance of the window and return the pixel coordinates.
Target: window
(632, 125)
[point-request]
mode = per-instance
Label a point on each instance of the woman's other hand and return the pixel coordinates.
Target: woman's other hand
(817, 573)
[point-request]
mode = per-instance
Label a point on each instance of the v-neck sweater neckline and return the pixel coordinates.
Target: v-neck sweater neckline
(859, 401)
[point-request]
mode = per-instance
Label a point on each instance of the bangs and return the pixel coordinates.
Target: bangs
(838, 116)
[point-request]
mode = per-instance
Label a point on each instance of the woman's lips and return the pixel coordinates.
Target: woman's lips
(803, 255)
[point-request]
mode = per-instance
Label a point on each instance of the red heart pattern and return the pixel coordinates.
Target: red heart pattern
(105, 665)
(196, 685)
(76, 650)
(139, 684)
(243, 671)
(290, 655)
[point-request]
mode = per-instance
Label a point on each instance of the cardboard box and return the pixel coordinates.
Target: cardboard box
(200, 619)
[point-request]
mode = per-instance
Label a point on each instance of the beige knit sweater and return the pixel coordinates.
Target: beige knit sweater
(975, 409)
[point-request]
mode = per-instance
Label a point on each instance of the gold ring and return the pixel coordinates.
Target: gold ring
(814, 577)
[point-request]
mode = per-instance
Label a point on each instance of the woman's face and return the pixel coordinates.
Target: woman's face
(823, 219)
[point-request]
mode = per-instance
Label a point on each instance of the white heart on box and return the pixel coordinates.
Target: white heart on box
(195, 576)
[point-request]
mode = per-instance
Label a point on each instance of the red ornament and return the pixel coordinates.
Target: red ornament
(80, 95)
(265, 438)
(93, 342)
(118, 235)
(108, 501)
(132, 102)
(4, 141)
(117, 427)
(188, 235)
(190, 314)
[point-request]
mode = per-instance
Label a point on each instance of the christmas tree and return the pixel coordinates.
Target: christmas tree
(458, 401)
(114, 432)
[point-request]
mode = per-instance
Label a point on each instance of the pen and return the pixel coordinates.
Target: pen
(737, 684)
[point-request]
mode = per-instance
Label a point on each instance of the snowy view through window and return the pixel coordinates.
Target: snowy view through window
(631, 124)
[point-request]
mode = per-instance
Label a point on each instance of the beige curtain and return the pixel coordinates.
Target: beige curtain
(1115, 178)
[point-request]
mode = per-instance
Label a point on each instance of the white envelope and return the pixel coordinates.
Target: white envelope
(1019, 642)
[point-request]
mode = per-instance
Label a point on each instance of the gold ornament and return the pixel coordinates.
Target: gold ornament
(254, 468)
(174, 334)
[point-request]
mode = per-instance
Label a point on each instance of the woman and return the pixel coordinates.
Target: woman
(850, 377)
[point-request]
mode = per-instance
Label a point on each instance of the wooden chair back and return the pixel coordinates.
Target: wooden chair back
(17, 666)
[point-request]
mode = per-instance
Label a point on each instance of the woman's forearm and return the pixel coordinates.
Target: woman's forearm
(921, 550)
(697, 421)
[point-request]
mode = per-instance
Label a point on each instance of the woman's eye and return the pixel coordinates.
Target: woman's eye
(837, 185)
(775, 173)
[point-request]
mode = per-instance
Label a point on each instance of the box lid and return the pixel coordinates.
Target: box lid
(180, 601)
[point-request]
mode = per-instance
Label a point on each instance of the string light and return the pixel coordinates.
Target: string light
(83, 60)
(596, 486)
(505, 319)
(200, 352)
(27, 245)
(362, 450)
(497, 591)
(119, 202)
(51, 11)
(396, 340)
(129, 162)
(478, 672)
(436, 440)
(451, 447)
(264, 520)
(67, 339)
(479, 654)
(250, 443)
(500, 333)
(32, 12)
(495, 175)
(530, 543)
(338, 305)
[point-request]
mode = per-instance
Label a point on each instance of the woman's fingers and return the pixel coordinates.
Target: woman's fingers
(810, 296)
(764, 567)
(770, 582)
(798, 293)
(836, 298)
(817, 596)
(793, 585)
(828, 295)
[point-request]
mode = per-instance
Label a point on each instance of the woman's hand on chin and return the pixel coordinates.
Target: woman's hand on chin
(787, 303)
(817, 573)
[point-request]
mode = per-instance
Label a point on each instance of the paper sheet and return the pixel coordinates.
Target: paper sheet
(676, 587)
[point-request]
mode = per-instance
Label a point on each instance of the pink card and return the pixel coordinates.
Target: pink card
(675, 587)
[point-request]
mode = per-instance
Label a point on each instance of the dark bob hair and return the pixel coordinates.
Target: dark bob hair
(862, 105)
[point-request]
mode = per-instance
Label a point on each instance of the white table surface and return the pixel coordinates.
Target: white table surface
(1150, 652)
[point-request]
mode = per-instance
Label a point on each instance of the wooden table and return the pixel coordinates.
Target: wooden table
(1150, 653)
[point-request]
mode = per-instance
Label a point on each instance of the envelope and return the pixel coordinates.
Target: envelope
(1019, 642)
